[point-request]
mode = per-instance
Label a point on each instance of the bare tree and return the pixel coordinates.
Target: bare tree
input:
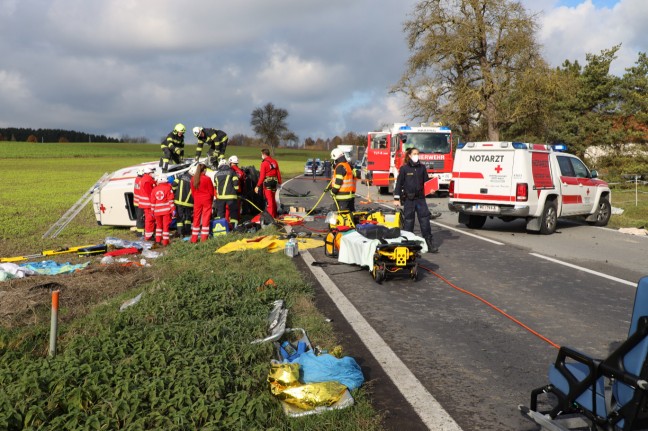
(269, 123)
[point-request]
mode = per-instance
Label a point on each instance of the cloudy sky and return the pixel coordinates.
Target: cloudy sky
(137, 67)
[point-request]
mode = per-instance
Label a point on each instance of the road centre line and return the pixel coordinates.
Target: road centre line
(580, 268)
(425, 405)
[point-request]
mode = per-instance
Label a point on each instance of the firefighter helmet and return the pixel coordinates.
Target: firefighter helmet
(336, 153)
(179, 128)
(233, 159)
(161, 179)
(222, 162)
(197, 131)
(147, 170)
(140, 172)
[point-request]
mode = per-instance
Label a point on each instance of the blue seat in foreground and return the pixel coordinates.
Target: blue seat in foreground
(605, 394)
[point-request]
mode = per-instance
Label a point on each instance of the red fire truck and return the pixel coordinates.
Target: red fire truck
(386, 152)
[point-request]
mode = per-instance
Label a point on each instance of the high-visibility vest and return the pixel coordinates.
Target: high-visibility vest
(136, 190)
(347, 189)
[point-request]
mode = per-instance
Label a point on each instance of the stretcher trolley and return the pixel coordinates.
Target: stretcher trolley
(396, 259)
(381, 246)
(343, 221)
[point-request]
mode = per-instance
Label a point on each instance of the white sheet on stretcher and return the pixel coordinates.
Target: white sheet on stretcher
(356, 249)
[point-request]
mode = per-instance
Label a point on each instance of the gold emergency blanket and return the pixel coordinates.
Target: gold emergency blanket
(285, 385)
(270, 242)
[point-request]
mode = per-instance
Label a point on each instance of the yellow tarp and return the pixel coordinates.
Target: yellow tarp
(270, 242)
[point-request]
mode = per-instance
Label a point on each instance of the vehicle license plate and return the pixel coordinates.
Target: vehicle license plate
(486, 208)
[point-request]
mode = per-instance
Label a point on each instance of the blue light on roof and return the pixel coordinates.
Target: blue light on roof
(444, 128)
(404, 128)
(520, 146)
(460, 145)
(559, 147)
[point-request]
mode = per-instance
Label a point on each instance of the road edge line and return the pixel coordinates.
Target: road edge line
(424, 404)
(580, 268)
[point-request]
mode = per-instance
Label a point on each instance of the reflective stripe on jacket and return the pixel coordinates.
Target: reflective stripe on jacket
(146, 186)
(162, 199)
(344, 182)
(182, 190)
(227, 183)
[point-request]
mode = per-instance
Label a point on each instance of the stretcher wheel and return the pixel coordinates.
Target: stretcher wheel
(414, 272)
(378, 273)
(332, 243)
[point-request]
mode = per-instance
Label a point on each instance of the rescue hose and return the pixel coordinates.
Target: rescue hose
(494, 307)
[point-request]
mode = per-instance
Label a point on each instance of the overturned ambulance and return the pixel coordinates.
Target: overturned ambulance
(113, 198)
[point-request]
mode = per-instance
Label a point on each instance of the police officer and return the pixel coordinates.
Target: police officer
(173, 147)
(343, 183)
(216, 141)
(409, 193)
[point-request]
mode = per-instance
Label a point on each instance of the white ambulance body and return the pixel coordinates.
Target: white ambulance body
(113, 197)
(511, 180)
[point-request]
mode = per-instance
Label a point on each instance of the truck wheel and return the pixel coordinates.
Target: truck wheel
(476, 221)
(603, 213)
(549, 218)
(383, 190)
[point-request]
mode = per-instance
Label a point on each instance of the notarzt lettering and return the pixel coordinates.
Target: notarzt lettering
(494, 158)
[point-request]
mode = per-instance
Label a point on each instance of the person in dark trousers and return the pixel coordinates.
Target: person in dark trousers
(173, 147)
(327, 169)
(216, 141)
(409, 193)
(343, 184)
(226, 183)
(314, 169)
(181, 187)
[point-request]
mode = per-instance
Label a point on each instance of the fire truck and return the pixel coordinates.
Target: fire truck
(386, 152)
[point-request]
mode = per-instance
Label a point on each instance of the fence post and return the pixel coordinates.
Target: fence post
(54, 323)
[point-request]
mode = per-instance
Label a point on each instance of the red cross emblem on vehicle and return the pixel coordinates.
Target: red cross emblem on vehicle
(102, 208)
(498, 169)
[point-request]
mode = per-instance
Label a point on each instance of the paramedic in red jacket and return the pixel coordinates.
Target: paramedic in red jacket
(202, 189)
(270, 180)
(146, 184)
(162, 207)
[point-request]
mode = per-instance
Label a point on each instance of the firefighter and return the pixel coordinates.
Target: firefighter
(233, 162)
(146, 184)
(226, 183)
(163, 207)
(216, 141)
(270, 180)
(184, 203)
(173, 147)
(202, 189)
(343, 183)
(409, 193)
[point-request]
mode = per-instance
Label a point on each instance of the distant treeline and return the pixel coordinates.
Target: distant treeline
(51, 135)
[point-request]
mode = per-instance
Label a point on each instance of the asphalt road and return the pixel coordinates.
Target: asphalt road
(459, 328)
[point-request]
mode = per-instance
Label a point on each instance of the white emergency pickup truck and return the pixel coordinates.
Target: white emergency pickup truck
(511, 180)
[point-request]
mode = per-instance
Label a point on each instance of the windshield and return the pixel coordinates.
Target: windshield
(438, 143)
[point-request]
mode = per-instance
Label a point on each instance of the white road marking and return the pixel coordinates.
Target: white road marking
(424, 404)
(580, 268)
(492, 241)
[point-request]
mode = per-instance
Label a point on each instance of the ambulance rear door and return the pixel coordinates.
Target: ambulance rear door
(484, 173)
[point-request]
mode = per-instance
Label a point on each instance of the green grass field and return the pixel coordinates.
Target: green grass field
(181, 358)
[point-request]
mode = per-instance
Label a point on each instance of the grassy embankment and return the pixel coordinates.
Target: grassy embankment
(179, 359)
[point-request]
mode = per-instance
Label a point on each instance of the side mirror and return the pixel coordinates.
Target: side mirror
(594, 174)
